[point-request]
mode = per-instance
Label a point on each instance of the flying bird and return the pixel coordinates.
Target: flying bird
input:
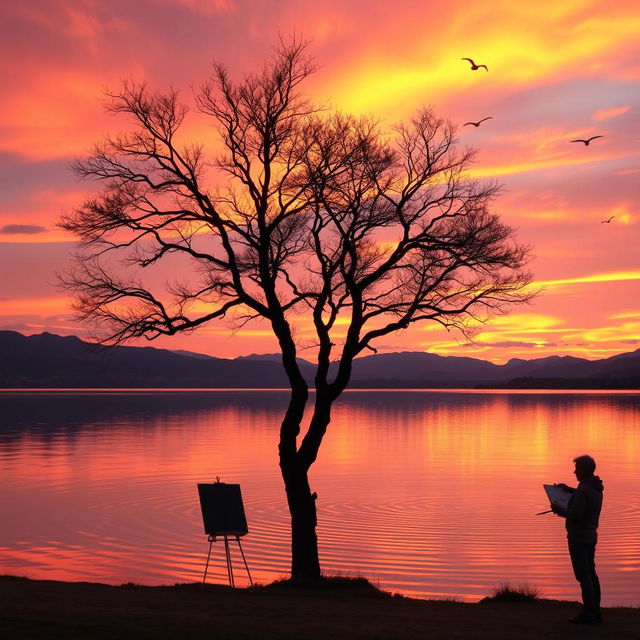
(477, 124)
(588, 140)
(474, 66)
(607, 221)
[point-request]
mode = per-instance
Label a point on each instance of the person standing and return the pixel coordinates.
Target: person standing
(582, 516)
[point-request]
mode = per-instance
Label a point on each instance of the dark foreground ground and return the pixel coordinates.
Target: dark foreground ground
(60, 610)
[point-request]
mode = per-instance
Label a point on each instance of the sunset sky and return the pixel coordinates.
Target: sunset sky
(557, 71)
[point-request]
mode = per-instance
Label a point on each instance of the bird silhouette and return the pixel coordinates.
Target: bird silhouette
(588, 140)
(607, 221)
(477, 124)
(474, 66)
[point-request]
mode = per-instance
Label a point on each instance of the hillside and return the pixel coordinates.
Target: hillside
(50, 361)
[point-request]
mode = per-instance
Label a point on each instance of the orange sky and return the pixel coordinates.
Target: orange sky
(557, 71)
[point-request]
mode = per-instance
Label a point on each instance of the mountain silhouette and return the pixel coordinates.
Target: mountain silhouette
(50, 361)
(47, 360)
(431, 370)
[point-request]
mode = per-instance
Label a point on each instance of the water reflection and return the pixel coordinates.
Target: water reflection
(430, 493)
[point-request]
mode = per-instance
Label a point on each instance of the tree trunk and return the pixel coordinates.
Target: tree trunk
(305, 564)
(294, 465)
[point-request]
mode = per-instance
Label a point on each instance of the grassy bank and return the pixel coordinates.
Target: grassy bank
(47, 609)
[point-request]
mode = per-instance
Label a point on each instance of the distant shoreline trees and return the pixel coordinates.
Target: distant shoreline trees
(306, 213)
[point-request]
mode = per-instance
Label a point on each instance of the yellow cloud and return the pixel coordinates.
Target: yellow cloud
(525, 321)
(625, 315)
(621, 213)
(373, 85)
(544, 148)
(557, 161)
(515, 42)
(615, 276)
(624, 331)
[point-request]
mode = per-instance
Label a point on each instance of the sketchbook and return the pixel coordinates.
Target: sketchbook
(558, 495)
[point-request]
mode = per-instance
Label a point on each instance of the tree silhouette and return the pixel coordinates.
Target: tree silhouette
(315, 216)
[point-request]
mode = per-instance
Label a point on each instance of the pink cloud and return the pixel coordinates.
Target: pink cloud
(606, 114)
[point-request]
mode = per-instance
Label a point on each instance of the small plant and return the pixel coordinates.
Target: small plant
(334, 583)
(445, 599)
(519, 592)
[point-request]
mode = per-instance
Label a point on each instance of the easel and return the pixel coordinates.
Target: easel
(223, 517)
(227, 552)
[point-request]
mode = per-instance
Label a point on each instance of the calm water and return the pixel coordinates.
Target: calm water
(429, 493)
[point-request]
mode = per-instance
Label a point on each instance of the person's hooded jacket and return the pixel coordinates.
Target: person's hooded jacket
(583, 512)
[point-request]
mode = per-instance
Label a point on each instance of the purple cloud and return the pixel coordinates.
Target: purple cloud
(30, 229)
(506, 344)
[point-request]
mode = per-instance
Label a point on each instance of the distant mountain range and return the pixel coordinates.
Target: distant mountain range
(51, 361)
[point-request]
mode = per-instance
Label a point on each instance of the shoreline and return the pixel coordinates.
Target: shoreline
(461, 390)
(55, 609)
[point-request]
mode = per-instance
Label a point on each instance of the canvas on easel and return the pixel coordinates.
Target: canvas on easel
(222, 509)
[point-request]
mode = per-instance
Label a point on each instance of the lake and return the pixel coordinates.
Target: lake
(427, 493)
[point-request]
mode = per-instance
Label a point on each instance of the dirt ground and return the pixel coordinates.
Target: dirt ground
(60, 610)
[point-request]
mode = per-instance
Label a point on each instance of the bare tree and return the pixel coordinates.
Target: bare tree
(314, 215)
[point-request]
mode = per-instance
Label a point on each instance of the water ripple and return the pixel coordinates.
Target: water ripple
(430, 495)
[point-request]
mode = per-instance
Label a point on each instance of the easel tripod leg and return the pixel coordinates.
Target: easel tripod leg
(229, 565)
(246, 566)
(206, 568)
